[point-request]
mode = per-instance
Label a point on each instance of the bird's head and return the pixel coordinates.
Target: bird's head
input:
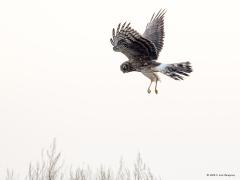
(126, 67)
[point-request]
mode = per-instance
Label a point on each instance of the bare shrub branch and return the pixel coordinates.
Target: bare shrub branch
(9, 175)
(50, 167)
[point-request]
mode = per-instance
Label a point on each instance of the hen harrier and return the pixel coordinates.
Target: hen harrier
(142, 51)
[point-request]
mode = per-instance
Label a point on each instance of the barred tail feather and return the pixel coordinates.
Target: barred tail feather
(176, 71)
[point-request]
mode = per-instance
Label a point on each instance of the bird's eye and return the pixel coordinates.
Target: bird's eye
(124, 67)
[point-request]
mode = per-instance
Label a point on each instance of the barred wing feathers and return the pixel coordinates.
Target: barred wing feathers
(132, 44)
(155, 30)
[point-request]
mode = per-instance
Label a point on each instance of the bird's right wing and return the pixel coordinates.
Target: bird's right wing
(155, 30)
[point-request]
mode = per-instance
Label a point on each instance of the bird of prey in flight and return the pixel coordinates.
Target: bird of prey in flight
(143, 50)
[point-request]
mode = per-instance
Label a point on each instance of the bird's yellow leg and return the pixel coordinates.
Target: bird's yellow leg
(156, 81)
(149, 88)
(156, 91)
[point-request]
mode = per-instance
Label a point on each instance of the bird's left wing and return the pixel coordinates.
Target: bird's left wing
(155, 30)
(132, 44)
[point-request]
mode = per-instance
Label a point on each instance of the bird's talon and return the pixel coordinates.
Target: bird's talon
(156, 91)
(149, 91)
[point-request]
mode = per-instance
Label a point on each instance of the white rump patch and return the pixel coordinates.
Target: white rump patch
(161, 67)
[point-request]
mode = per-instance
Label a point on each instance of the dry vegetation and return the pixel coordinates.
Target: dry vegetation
(51, 168)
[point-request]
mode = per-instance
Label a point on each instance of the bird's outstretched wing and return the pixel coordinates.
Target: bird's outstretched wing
(132, 44)
(155, 30)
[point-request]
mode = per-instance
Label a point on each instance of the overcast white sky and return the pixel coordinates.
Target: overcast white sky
(60, 78)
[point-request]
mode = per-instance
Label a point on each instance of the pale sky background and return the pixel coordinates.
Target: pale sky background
(60, 78)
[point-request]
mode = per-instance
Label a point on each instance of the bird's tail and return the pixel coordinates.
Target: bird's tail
(176, 71)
